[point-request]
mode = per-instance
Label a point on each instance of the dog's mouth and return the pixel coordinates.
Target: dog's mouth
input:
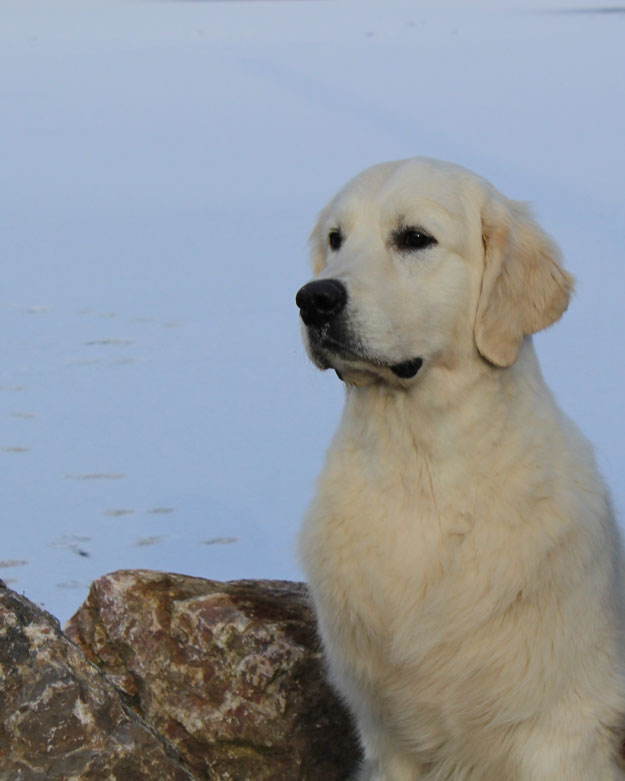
(407, 369)
(346, 355)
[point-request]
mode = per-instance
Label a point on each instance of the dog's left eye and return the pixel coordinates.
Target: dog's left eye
(335, 239)
(411, 239)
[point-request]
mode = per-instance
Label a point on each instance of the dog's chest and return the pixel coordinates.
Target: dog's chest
(377, 537)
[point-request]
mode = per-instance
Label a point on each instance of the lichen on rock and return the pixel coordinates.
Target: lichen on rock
(59, 716)
(231, 674)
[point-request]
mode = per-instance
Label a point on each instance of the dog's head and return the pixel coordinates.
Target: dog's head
(421, 263)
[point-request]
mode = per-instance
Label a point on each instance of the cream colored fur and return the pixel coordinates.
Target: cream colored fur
(461, 550)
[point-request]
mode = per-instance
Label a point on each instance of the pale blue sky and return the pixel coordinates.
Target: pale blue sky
(163, 163)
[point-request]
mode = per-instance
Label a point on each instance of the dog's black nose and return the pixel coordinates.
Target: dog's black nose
(320, 301)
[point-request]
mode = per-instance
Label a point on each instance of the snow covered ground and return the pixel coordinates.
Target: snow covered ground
(162, 163)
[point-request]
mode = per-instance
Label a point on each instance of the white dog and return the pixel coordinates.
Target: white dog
(461, 550)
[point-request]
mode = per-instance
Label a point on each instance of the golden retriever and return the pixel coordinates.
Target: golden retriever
(461, 550)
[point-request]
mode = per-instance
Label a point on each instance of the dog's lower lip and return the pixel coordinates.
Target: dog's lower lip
(407, 369)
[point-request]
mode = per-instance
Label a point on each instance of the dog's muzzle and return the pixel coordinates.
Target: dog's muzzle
(320, 303)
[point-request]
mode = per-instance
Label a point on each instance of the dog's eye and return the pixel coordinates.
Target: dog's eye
(411, 239)
(335, 239)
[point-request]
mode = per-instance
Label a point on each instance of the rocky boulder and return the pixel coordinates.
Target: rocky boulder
(229, 674)
(59, 716)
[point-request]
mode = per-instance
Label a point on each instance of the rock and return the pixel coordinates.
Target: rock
(230, 674)
(59, 717)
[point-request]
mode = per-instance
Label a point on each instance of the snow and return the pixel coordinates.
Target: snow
(163, 163)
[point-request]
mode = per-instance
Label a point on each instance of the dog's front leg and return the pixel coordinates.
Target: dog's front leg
(395, 768)
(578, 751)
(385, 762)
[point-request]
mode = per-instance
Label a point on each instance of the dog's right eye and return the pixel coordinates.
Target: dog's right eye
(335, 239)
(412, 239)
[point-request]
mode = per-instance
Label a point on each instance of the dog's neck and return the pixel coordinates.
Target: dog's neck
(476, 403)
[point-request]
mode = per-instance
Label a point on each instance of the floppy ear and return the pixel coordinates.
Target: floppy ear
(524, 287)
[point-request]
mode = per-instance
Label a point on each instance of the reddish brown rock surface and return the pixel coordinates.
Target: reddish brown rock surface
(59, 717)
(230, 674)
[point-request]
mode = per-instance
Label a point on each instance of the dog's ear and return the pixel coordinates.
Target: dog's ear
(524, 287)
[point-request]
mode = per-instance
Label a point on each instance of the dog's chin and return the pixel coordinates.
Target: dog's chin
(363, 373)
(354, 369)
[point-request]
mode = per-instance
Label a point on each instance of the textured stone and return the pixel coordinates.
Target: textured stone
(59, 717)
(229, 673)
